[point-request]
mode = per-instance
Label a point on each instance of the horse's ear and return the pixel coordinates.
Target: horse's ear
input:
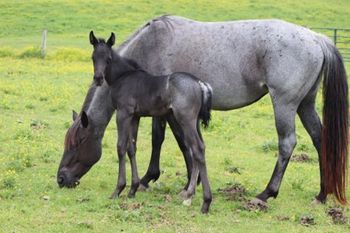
(74, 115)
(92, 38)
(111, 40)
(84, 119)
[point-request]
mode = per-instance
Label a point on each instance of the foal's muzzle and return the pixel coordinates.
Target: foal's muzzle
(98, 80)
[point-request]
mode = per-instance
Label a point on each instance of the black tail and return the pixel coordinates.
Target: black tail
(334, 151)
(204, 113)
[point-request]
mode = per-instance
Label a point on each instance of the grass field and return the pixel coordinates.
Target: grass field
(37, 96)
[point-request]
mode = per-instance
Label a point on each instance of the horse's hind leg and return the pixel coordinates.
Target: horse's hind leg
(131, 153)
(158, 132)
(285, 124)
(313, 126)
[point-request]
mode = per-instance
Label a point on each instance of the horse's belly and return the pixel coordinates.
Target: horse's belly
(228, 97)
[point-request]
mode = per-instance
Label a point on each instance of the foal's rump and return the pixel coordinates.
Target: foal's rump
(190, 96)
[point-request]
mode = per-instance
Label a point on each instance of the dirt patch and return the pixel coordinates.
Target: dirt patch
(168, 198)
(301, 158)
(236, 192)
(337, 215)
(82, 199)
(132, 206)
(307, 220)
(282, 218)
(256, 205)
(232, 169)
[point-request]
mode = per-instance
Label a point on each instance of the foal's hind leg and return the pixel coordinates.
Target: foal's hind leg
(179, 136)
(313, 126)
(285, 124)
(131, 153)
(195, 143)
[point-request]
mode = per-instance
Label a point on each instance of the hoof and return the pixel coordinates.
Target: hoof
(187, 202)
(131, 195)
(114, 195)
(183, 194)
(316, 202)
(142, 188)
(205, 209)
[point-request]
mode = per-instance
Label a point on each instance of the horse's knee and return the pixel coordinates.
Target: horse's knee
(121, 149)
(286, 145)
(132, 149)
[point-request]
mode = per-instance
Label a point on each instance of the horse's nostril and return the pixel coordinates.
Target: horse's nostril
(60, 180)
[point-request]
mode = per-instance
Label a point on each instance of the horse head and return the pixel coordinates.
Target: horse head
(82, 150)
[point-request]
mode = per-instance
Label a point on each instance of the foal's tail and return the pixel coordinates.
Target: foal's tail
(334, 150)
(207, 93)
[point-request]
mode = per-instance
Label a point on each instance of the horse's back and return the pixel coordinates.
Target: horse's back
(242, 60)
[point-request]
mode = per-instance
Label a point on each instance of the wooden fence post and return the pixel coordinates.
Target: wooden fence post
(43, 43)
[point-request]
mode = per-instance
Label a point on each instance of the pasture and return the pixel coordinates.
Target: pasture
(37, 96)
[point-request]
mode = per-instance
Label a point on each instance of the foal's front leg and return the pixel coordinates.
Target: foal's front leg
(123, 124)
(153, 171)
(132, 156)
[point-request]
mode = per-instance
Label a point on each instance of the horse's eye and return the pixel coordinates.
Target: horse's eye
(109, 61)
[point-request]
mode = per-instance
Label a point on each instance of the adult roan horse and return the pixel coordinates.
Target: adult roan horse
(181, 98)
(243, 61)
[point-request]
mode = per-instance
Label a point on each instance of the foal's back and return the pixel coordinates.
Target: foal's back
(143, 94)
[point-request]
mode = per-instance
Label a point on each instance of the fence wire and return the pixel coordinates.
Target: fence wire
(340, 37)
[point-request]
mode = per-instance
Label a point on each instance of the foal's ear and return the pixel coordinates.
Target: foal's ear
(74, 115)
(92, 38)
(111, 40)
(84, 119)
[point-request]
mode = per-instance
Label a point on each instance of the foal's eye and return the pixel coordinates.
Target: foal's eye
(109, 60)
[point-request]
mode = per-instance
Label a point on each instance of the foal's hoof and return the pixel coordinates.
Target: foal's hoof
(205, 208)
(114, 195)
(131, 195)
(183, 194)
(187, 202)
(142, 188)
(316, 202)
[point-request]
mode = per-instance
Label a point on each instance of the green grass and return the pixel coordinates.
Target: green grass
(37, 96)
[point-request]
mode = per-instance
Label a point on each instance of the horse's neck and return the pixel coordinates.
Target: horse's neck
(100, 110)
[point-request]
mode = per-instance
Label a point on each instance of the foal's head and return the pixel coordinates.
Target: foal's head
(101, 56)
(82, 149)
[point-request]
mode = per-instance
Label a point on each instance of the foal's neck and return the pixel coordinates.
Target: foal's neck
(119, 67)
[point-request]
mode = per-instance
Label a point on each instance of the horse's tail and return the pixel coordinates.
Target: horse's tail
(207, 93)
(334, 150)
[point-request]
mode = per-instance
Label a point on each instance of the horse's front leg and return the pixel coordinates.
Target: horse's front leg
(123, 124)
(132, 156)
(153, 171)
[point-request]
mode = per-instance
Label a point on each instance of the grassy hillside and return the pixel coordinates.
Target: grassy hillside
(37, 95)
(69, 22)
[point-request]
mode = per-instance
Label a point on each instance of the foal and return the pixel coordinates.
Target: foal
(180, 97)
